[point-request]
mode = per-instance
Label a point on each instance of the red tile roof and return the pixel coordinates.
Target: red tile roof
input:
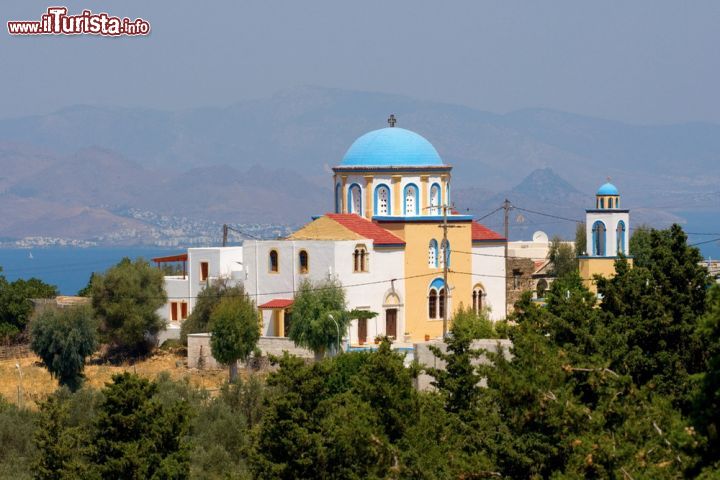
(366, 228)
(277, 303)
(480, 233)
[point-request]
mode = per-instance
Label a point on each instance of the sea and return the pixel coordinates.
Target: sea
(69, 268)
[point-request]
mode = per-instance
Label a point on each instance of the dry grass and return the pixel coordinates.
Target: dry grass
(37, 383)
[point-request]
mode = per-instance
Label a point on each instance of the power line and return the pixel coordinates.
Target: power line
(706, 241)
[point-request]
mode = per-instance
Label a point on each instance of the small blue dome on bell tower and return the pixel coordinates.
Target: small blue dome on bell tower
(608, 189)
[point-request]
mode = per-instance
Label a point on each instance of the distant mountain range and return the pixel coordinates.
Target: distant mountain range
(73, 172)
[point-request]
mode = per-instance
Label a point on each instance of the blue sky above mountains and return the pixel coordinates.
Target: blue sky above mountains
(649, 62)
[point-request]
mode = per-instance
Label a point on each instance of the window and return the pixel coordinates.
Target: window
(178, 310)
(598, 239)
(204, 269)
(477, 299)
(542, 287)
(517, 276)
(273, 266)
(361, 259)
(432, 303)
(620, 237)
(433, 254)
(382, 200)
(441, 303)
(355, 199)
(435, 200)
(411, 200)
(303, 257)
(338, 198)
(436, 299)
(602, 203)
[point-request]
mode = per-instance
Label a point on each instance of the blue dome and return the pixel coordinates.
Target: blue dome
(391, 147)
(608, 189)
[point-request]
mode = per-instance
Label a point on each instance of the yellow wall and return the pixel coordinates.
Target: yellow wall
(589, 267)
(417, 236)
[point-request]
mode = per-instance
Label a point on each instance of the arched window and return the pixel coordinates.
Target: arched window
(361, 259)
(602, 203)
(598, 239)
(441, 303)
(303, 258)
(477, 298)
(382, 200)
(436, 299)
(435, 200)
(355, 199)
(338, 198)
(273, 262)
(411, 200)
(432, 303)
(541, 288)
(620, 237)
(433, 254)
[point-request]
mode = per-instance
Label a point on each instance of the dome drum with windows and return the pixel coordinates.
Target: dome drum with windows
(389, 173)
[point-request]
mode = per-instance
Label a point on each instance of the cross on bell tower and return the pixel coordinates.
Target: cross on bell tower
(392, 120)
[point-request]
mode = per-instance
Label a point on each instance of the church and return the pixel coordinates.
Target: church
(391, 234)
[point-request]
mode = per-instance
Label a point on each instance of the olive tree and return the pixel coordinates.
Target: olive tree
(320, 319)
(235, 331)
(126, 298)
(63, 338)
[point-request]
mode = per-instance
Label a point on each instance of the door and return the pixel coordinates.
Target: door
(362, 331)
(391, 323)
(287, 323)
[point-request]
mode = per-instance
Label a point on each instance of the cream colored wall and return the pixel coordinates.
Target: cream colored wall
(589, 267)
(417, 237)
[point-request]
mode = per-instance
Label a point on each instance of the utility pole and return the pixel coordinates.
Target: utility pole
(445, 270)
(225, 234)
(506, 219)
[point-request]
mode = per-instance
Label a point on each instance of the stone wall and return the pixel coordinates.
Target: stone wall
(200, 354)
(524, 282)
(426, 358)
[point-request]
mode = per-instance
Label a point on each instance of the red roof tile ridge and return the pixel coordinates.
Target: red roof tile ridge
(481, 232)
(366, 228)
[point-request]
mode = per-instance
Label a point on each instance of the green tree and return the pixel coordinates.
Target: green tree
(568, 415)
(16, 303)
(459, 380)
(63, 338)
(235, 331)
(706, 407)
(563, 258)
(126, 299)
(320, 318)
(86, 291)
(16, 434)
(656, 307)
(62, 441)
(138, 435)
(581, 238)
(208, 298)
(641, 246)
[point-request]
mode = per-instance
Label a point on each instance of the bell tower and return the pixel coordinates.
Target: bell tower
(607, 235)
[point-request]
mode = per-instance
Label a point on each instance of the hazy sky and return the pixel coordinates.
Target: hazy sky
(639, 61)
